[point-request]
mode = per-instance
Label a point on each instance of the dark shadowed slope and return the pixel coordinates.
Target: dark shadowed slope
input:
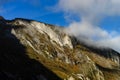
(31, 50)
(15, 64)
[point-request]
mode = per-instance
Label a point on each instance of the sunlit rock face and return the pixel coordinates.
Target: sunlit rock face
(32, 50)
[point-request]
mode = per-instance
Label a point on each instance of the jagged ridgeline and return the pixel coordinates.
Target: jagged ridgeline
(32, 50)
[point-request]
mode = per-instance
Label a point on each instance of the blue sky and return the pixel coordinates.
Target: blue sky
(95, 19)
(41, 11)
(111, 23)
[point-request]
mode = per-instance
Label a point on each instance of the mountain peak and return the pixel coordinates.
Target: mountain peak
(39, 51)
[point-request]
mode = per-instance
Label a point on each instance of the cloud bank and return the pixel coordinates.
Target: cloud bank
(91, 12)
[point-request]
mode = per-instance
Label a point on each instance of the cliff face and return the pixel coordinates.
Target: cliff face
(32, 50)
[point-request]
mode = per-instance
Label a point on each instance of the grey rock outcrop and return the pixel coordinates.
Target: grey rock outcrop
(35, 50)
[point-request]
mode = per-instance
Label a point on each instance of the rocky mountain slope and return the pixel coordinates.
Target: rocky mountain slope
(31, 50)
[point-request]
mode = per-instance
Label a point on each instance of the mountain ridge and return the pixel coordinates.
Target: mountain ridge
(49, 49)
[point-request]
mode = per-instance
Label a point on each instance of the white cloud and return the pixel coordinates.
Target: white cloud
(91, 12)
(112, 43)
(87, 29)
(91, 6)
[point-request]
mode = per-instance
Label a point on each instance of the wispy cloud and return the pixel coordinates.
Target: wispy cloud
(91, 12)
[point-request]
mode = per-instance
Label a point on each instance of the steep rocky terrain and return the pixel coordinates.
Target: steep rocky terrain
(31, 50)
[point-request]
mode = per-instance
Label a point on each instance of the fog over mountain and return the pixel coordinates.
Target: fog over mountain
(32, 50)
(91, 13)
